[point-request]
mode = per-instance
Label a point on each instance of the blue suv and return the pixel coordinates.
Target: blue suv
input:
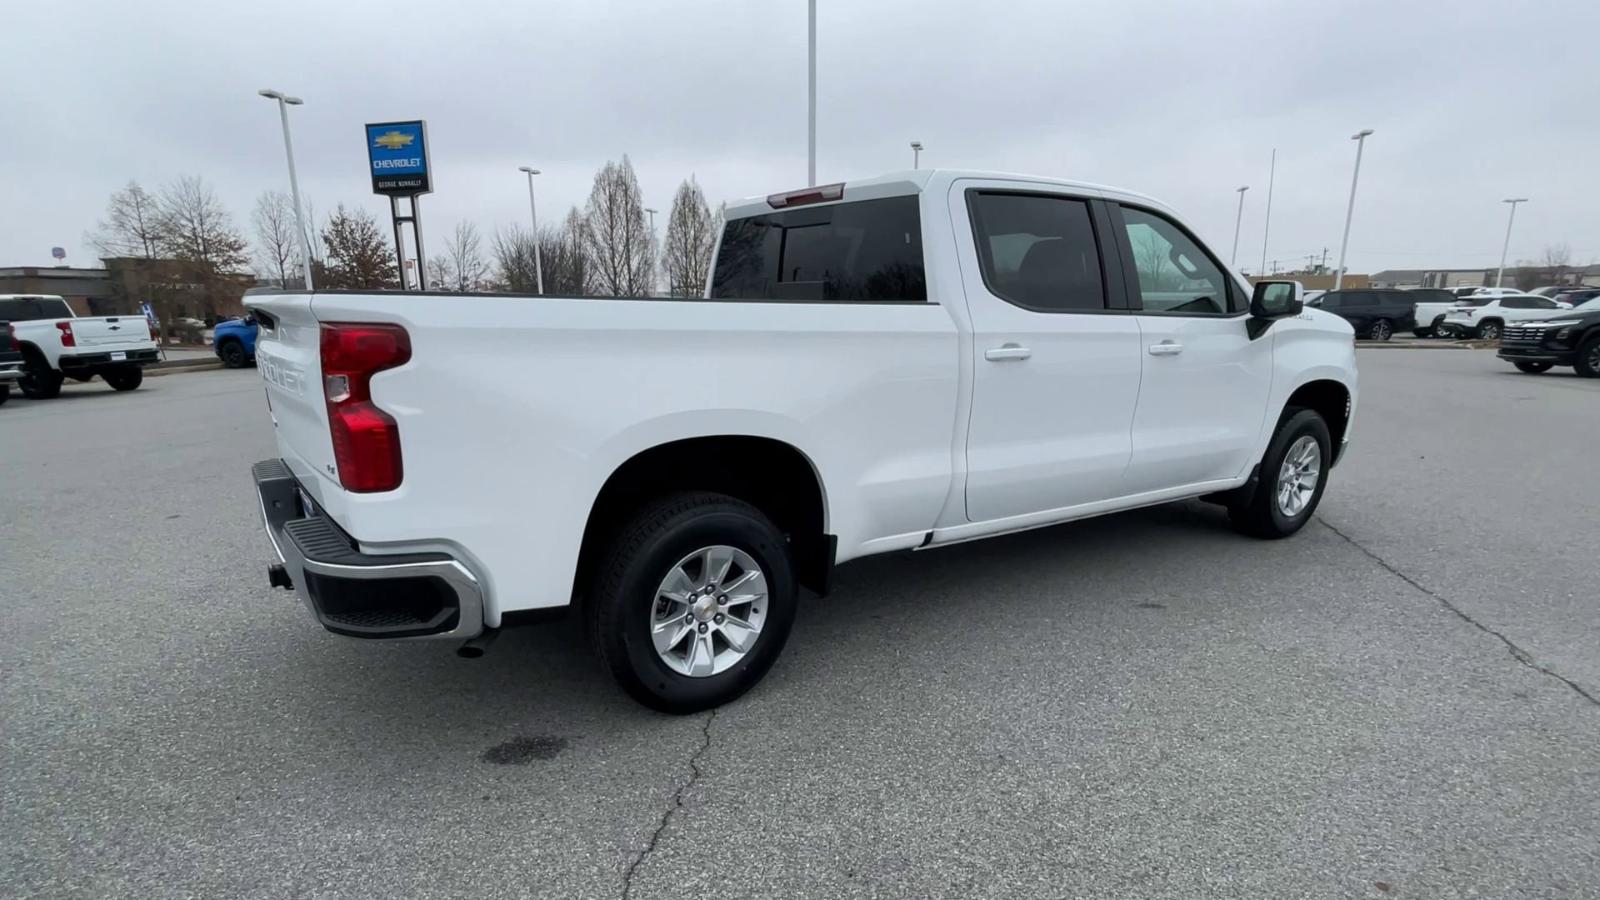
(235, 342)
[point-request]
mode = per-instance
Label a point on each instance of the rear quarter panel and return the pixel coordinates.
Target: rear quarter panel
(513, 411)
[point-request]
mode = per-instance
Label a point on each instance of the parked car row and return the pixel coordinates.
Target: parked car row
(55, 344)
(1377, 314)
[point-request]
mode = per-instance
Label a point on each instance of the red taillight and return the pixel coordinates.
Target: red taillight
(67, 338)
(366, 440)
(821, 194)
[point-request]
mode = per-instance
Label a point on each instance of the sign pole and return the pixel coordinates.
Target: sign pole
(399, 238)
(416, 232)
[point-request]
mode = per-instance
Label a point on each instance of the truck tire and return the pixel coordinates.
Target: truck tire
(38, 382)
(657, 612)
(233, 355)
(124, 378)
(1588, 361)
(1293, 475)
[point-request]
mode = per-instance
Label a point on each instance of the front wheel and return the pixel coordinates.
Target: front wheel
(233, 355)
(124, 378)
(1588, 362)
(693, 602)
(1533, 368)
(1381, 330)
(1292, 478)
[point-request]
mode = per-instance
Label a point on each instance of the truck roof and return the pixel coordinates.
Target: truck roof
(915, 181)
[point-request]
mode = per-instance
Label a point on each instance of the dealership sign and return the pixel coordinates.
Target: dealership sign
(397, 156)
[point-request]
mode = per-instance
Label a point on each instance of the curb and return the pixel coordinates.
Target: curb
(175, 366)
(1428, 345)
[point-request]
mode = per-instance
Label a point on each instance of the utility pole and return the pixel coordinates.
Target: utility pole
(1236, 222)
(1501, 274)
(1266, 227)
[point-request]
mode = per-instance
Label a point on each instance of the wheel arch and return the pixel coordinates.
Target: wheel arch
(1330, 399)
(770, 474)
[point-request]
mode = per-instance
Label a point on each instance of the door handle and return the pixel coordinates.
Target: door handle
(1166, 348)
(1007, 351)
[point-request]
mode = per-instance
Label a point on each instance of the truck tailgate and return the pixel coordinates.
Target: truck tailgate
(288, 356)
(110, 331)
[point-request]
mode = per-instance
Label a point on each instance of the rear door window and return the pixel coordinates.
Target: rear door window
(863, 251)
(1039, 252)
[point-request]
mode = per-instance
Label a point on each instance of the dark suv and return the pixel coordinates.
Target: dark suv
(1375, 313)
(1568, 338)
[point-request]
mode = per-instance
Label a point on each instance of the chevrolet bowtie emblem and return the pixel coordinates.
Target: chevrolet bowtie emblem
(394, 140)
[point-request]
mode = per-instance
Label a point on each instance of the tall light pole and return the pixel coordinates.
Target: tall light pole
(811, 93)
(1237, 221)
(1360, 138)
(533, 213)
(284, 102)
(1266, 225)
(652, 223)
(916, 154)
(1500, 275)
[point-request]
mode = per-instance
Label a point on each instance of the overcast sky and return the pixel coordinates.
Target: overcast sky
(1471, 101)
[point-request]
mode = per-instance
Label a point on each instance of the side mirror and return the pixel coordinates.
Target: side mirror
(1273, 300)
(1276, 299)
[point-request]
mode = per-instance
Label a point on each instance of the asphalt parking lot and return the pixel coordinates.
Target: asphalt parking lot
(1403, 700)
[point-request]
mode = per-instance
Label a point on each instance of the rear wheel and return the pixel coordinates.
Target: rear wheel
(1292, 478)
(1381, 330)
(1533, 368)
(39, 382)
(124, 378)
(693, 602)
(233, 355)
(1588, 361)
(1489, 331)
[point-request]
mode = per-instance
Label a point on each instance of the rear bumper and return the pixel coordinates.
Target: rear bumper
(80, 361)
(362, 595)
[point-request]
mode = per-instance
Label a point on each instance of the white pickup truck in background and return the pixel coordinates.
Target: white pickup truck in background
(57, 345)
(902, 363)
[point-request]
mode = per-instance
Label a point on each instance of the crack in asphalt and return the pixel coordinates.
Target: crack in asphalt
(677, 804)
(1517, 653)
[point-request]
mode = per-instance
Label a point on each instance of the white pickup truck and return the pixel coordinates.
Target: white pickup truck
(902, 363)
(57, 345)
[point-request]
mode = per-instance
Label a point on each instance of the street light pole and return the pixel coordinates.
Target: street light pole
(1360, 138)
(916, 154)
(1266, 225)
(1500, 275)
(284, 102)
(811, 93)
(533, 213)
(1237, 221)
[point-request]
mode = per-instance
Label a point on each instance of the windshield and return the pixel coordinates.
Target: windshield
(29, 309)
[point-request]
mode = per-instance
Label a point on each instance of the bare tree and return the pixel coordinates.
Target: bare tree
(1558, 257)
(691, 241)
(132, 227)
(277, 238)
(359, 255)
(465, 267)
(616, 238)
(514, 260)
(564, 252)
(197, 228)
(439, 273)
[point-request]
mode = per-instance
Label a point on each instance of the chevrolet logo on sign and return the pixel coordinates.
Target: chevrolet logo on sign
(393, 140)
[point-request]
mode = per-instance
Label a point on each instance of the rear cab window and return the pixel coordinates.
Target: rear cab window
(1038, 251)
(31, 309)
(864, 251)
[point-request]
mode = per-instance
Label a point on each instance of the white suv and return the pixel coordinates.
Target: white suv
(1488, 320)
